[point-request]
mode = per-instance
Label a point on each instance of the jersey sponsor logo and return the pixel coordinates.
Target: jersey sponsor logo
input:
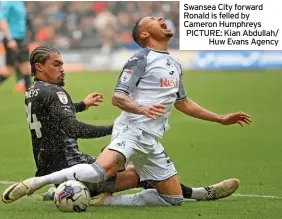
(165, 82)
(63, 97)
(126, 75)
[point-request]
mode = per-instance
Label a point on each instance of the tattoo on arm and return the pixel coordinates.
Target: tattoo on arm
(124, 102)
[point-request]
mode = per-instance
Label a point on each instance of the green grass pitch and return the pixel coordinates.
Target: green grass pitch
(203, 152)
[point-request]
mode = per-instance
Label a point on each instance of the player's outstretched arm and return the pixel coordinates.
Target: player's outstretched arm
(76, 129)
(124, 102)
(192, 109)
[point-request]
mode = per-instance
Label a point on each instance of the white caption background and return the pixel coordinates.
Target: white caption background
(225, 33)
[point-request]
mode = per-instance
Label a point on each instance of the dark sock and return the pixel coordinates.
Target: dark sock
(26, 81)
(145, 185)
(18, 74)
(187, 191)
(2, 78)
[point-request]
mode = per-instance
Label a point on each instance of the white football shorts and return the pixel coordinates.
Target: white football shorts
(144, 150)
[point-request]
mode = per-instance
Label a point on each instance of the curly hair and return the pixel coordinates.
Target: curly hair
(40, 55)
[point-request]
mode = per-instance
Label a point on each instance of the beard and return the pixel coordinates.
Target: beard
(60, 81)
(169, 35)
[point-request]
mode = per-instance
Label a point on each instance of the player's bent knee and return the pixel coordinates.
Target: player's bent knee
(131, 169)
(174, 200)
(112, 161)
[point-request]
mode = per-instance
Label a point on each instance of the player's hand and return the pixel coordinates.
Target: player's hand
(236, 118)
(154, 111)
(12, 44)
(93, 100)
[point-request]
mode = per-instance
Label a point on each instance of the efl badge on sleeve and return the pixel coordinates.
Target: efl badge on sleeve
(62, 97)
(126, 75)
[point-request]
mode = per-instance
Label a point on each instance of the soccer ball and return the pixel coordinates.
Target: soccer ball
(72, 196)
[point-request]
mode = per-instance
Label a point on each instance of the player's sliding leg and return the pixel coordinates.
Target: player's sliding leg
(86, 172)
(106, 165)
(217, 191)
(167, 193)
(129, 179)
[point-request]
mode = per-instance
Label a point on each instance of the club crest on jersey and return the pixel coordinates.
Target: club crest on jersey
(169, 64)
(62, 97)
(126, 75)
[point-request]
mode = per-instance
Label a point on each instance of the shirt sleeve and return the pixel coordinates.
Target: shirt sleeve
(79, 107)
(76, 129)
(5, 8)
(60, 105)
(181, 94)
(131, 74)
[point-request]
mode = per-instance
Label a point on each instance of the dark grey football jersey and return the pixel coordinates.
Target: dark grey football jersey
(151, 77)
(46, 106)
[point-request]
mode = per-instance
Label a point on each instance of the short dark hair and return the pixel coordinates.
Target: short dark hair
(40, 55)
(136, 32)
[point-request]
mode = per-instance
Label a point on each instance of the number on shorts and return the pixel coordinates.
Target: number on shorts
(35, 125)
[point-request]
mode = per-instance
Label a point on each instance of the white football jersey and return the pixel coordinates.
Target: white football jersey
(151, 77)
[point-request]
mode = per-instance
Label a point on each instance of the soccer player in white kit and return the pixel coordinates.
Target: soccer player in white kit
(149, 86)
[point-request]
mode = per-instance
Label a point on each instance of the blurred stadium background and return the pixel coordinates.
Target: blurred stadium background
(97, 36)
(95, 40)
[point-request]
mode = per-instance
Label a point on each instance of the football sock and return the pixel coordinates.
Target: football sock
(2, 78)
(26, 81)
(144, 198)
(187, 191)
(198, 193)
(93, 173)
(108, 186)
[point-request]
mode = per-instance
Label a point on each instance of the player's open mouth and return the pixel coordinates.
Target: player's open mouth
(163, 25)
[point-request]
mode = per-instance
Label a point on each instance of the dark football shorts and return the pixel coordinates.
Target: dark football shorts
(16, 57)
(56, 164)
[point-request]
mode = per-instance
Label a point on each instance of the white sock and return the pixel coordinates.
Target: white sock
(146, 197)
(198, 193)
(93, 173)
